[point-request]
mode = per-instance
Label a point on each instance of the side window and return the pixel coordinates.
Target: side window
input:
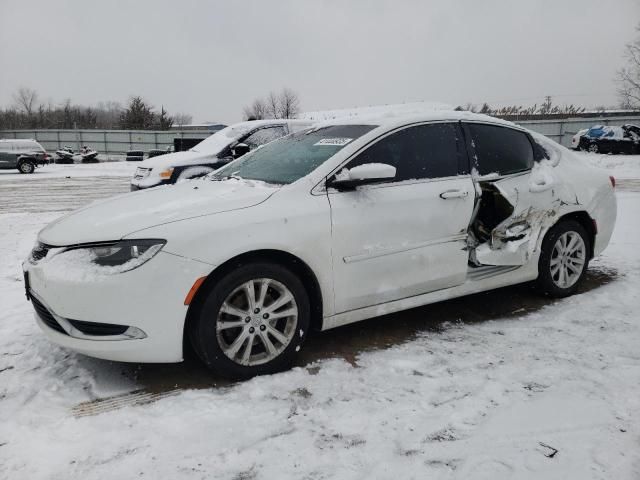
(423, 151)
(500, 150)
(264, 136)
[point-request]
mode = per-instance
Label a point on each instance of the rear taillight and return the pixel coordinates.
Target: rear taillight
(613, 181)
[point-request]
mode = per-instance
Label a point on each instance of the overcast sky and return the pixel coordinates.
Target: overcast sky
(210, 58)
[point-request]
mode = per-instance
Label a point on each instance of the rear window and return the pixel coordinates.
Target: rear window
(500, 150)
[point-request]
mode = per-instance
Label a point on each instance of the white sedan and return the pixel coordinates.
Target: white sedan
(328, 226)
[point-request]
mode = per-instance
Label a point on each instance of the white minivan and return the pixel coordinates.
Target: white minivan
(212, 153)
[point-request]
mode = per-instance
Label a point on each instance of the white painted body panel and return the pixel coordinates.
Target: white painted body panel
(151, 299)
(373, 251)
(393, 241)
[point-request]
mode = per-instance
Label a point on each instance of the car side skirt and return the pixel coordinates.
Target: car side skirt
(473, 284)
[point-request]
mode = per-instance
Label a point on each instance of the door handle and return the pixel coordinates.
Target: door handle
(454, 194)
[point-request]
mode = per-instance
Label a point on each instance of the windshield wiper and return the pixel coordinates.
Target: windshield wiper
(233, 176)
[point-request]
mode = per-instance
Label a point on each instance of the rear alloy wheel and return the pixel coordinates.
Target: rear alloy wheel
(564, 259)
(253, 321)
(26, 167)
(593, 148)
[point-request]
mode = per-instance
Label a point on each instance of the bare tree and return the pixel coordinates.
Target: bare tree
(273, 105)
(629, 76)
(286, 104)
(289, 104)
(25, 99)
(470, 107)
(257, 110)
(182, 119)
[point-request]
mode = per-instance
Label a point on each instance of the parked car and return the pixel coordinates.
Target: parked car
(213, 152)
(608, 139)
(25, 155)
(328, 226)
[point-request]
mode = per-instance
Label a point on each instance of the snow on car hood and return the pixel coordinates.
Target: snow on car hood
(177, 159)
(119, 216)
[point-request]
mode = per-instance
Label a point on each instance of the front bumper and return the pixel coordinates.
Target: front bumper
(141, 185)
(149, 301)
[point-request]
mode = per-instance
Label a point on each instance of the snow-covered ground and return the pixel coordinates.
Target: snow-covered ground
(108, 169)
(621, 166)
(493, 399)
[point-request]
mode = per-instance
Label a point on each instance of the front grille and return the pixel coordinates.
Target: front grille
(98, 329)
(142, 173)
(46, 316)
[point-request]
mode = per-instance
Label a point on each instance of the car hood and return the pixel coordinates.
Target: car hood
(176, 159)
(116, 217)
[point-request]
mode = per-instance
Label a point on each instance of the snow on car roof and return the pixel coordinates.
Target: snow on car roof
(398, 118)
(360, 112)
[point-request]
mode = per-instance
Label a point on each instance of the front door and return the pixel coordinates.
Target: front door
(407, 236)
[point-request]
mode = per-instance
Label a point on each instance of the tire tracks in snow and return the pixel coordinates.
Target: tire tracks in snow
(57, 194)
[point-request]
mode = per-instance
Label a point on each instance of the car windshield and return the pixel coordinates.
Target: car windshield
(293, 157)
(222, 138)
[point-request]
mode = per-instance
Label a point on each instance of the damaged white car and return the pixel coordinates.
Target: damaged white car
(328, 226)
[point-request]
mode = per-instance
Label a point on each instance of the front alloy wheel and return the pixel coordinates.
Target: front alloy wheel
(252, 321)
(257, 321)
(593, 148)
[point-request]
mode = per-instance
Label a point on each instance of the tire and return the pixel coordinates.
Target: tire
(593, 148)
(557, 263)
(26, 167)
(226, 304)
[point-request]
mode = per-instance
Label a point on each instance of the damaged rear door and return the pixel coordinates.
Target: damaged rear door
(514, 194)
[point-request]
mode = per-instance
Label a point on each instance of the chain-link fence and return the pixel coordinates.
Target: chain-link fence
(107, 142)
(117, 142)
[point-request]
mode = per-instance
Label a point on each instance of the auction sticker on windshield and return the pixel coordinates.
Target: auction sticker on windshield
(334, 142)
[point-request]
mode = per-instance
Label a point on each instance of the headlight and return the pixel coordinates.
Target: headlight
(166, 173)
(135, 251)
(108, 257)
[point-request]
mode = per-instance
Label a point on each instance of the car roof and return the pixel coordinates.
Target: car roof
(278, 121)
(391, 120)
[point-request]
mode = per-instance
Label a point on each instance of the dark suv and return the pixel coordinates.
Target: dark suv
(25, 155)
